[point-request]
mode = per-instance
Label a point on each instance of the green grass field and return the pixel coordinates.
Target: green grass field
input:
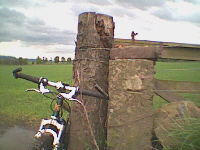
(178, 71)
(17, 104)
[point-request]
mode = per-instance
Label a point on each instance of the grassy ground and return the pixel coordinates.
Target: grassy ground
(183, 136)
(178, 71)
(16, 104)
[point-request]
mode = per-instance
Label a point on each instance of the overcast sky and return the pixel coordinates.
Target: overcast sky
(48, 28)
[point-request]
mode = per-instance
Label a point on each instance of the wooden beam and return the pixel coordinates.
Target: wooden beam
(166, 93)
(135, 52)
(182, 86)
(178, 52)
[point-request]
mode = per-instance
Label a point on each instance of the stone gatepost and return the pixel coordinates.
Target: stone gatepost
(87, 122)
(131, 90)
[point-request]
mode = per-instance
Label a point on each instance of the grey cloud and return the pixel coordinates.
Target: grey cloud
(97, 2)
(194, 18)
(118, 12)
(121, 12)
(8, 3)
(141, 4)
(22, 3)
(60, 1)
(59, 50)
(79, 8)
(48, 36)
(192, 1)
(167, 13)
(15, 26)
(100, 2)
(11, 16)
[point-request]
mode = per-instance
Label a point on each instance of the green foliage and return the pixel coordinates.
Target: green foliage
(41, 61)
(69, 59)
(13, 61)
(1, 62)
(56, 59)
(157, 102)
(44, 60)
(185, 136)
(38, 60)
(63, 59)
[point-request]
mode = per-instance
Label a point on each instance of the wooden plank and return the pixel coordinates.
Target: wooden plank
(135, 52)
(178, 52)
(166, 93)
(182, 86)
(183, 52)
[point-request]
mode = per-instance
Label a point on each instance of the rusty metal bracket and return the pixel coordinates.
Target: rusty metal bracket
(101, 90)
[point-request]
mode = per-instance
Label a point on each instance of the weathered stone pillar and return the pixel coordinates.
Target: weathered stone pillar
(131, 90)
(94, 40)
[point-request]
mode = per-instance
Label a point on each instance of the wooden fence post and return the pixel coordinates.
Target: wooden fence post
(131, 90)
(94, 40)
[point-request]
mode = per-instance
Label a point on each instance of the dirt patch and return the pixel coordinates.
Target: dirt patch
(10, 121)
(16, 138)
(17, 133)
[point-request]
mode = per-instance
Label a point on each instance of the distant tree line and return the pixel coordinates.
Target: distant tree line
(13, 61)
(56, 60)
(40, 60)
(7, 60)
